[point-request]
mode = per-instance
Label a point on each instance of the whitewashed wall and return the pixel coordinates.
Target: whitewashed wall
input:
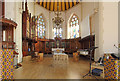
(19, 29)
(99, 34)
(88, 9)
(10, 8)
(105, 25)
(37, 10)
(40, 10)
(68, 14)
(110, 26)
(119, 23)
(13, 11)
(48, 15)
(52, 15)
(31, 8)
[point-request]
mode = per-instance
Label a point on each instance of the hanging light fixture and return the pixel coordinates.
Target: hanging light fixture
(57, 20)
(57, 23)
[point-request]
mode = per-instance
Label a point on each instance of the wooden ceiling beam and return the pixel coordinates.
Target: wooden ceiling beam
(63, 5)
(52, 5)
(60, 4)
(48, 5)
(74, 2)
(55, 7)
(51, 8)
(36, 1)
(70, 1)
(79, 1)
(44, 3)
(67, 6)
(41, 2)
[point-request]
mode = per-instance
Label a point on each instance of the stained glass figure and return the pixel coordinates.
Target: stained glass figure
(41, 27)
(57, 32)
(74, 27)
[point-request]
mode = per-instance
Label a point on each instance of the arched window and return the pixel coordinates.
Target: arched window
(58, 32)
(41, 27)
(74, 27)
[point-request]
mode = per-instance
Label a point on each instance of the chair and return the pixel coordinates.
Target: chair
(40, 56)
(75, 57)
(34, 56)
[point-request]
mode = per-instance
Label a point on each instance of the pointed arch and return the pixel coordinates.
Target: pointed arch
(41, 26)
(74, 26)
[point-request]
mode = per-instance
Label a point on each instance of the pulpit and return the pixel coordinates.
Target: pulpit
(8, 48)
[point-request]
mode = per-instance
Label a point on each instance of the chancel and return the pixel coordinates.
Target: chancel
(59, 39)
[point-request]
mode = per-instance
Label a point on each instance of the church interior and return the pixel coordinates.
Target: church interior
(59, 39)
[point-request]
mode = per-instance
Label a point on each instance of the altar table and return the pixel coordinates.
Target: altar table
(61, 56)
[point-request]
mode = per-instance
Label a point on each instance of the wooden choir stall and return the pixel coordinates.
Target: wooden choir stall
(29, 32)
(70, 45)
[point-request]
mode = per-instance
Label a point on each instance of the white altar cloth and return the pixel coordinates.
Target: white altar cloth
(54, 49)
(58, 50)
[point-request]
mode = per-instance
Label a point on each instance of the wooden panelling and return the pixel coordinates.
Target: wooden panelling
(25, 48)
(70, 45)
(28, 32)
(6, 21)
(8, 27)
(2, 9)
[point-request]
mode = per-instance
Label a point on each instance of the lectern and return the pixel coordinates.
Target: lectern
(90, 71)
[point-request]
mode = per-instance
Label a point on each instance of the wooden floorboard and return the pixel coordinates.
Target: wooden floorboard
(48, 69)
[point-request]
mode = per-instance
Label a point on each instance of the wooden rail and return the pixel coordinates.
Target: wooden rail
(8, 45)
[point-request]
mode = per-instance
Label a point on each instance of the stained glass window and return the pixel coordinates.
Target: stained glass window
(57, 31)
(74, 27)
(41, 27)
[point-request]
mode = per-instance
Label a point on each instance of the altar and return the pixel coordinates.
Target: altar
(58, 51)
(58, 54)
